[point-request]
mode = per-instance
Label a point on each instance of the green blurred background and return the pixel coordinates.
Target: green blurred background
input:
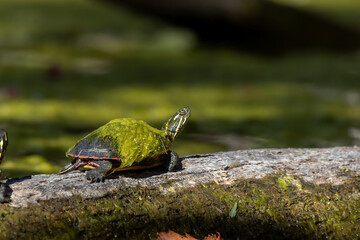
(67, 67)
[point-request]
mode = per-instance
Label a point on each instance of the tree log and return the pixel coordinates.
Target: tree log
(265, 193)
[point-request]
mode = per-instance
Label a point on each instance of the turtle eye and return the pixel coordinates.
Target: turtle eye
(184, 111)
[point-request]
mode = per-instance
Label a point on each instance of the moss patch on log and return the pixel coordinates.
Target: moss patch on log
(277, 207)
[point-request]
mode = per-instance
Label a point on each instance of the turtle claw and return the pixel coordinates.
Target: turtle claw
(94, 176)
(99, 172)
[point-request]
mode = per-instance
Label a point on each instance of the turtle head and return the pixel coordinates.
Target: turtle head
(177, 122)
(3, 143)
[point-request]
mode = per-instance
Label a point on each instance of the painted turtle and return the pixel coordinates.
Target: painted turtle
(126, 144)
(3, 146)
(3, 143)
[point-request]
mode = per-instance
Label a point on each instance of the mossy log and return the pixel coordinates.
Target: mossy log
(250, 194)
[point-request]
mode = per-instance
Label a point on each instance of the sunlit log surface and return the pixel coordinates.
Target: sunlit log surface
(318, 166)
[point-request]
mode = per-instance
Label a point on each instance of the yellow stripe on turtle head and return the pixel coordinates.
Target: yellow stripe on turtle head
(177, 122)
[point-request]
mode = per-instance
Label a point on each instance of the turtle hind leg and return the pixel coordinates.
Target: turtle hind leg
(171, 161)
(99, 172)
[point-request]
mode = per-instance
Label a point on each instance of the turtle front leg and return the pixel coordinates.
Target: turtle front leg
(99, 172)
(171, 161)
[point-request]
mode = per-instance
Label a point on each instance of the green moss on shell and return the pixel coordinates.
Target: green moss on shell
(133, 140)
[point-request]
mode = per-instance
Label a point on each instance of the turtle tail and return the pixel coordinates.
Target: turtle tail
(74, 164)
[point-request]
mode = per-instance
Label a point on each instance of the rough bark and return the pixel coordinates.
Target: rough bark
(277, 192)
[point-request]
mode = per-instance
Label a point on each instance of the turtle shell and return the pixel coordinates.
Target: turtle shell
(125, 140)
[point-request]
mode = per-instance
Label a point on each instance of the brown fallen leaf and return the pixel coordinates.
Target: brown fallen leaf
(213, 237)
(171, 235)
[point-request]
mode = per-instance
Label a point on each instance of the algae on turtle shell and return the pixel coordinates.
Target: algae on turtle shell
(133, 139)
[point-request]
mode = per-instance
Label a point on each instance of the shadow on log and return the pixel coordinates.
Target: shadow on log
(260, 26)
(252, 194)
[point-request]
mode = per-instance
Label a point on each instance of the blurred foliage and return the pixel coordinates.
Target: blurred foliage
(67, 67)
(345, 12)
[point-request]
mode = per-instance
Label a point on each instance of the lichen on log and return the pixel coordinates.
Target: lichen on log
(278, 193)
